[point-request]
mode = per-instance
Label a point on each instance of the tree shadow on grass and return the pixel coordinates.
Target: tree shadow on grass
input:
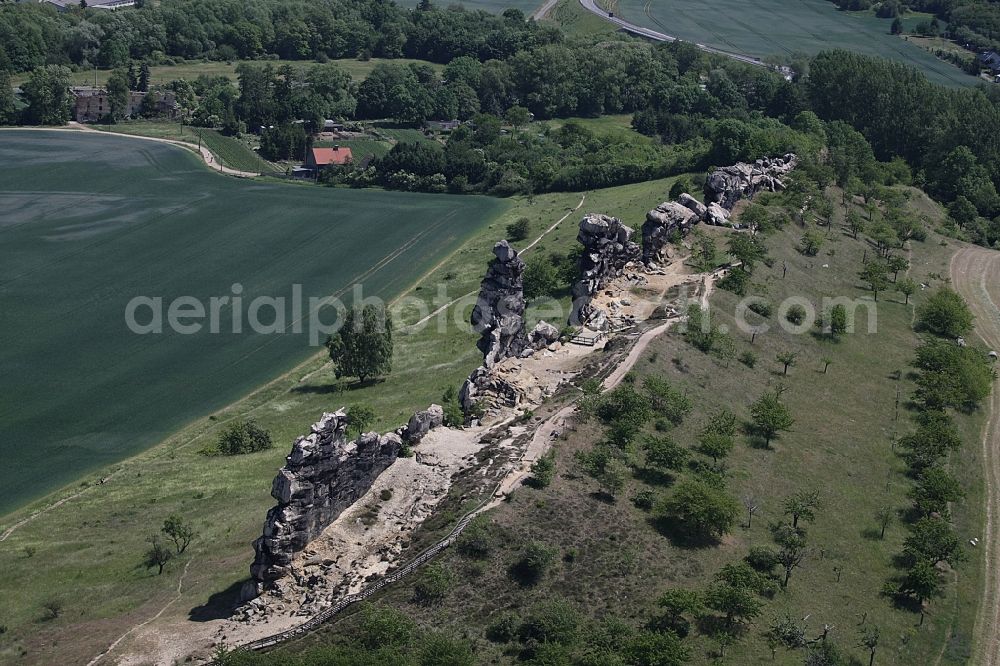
(602, 497)
(337, 387)
(654, 477)
(219, 606)
(680, 534)
(871, 534)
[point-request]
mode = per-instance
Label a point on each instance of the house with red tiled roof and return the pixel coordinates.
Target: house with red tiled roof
(318, 158)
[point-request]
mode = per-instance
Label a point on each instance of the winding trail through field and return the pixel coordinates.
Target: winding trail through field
(544, 10)
(975, 274)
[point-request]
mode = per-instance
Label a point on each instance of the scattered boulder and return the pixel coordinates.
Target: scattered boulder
(423, 422)
(543, 335)
(717, 215)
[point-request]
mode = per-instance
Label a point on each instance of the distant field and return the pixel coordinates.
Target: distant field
(92, 221)
(784, 27)
(189, 71)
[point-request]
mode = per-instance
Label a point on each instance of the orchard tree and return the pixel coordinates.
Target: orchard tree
(663, 454)
(896, 263)
(787, 359)
(362, 347)
(179, 531)
(747, 249)
(935, 489)
(883, 518)
(157, 555)
(945, 313)
(875, 275)
(856, 223)
(704, 511)
(792, 548)
(923, 582)
(803, 505)
(715, 445)
(907, 287)
(870, 635)
(932, 541)
(770, 416)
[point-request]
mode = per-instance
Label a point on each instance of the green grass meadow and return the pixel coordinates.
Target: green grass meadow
(92, 221)
(613, 561)
(785, 27)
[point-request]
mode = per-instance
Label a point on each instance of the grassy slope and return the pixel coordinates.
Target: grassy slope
(231, 151)
(783, 28)
(840, 446)
(191, 70)
(93, 563)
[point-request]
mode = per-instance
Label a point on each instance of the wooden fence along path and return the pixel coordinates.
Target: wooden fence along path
(325, 615)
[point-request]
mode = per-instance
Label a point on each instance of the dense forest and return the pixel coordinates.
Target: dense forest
(508, 75)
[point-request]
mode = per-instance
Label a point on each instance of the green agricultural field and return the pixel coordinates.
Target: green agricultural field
(93, 221)
(782, 28)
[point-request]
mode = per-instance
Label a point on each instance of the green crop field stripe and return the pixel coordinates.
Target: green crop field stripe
(115, 219)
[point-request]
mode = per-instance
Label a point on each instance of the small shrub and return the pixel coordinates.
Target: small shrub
(476, 540)
(748, 358)
(386, 494)
(796, 314)
(760, 307)
(434, 584)
(243, 436)
(644, 500)
(762, 558)
(504, 628)
(518, 231)
(543, 471)
(535, 561)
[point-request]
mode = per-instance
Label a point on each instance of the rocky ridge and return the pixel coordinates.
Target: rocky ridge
(608, 250)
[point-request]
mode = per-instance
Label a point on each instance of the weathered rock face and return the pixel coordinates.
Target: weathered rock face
(727, 185)
(608, 249)
(661, 223)
(723, 189)
(323, 475)
(499, 313)
(422, 423)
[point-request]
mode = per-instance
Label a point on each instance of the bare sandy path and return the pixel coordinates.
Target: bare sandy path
(975, 271)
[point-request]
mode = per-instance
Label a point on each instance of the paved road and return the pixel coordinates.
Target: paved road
(975, 273)
(591, 6)
(543, 11)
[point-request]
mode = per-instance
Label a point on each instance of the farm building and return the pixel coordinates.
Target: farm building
(991, 61)
(91, 104)
(317, 158)
(442, 125)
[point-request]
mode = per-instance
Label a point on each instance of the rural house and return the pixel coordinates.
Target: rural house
(991, 61)
(91, 104)
(319, 158)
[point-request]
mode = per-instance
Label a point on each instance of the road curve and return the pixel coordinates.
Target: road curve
(975, 274)
(591, 6)
(544, 10)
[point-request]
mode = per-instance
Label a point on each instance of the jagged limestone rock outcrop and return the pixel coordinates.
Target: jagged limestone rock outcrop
(662, 222)
(499, 313)
(723, 189)
(324, 474)
(727, 185)
(543, 335)
(608, 250)
(422, 423)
